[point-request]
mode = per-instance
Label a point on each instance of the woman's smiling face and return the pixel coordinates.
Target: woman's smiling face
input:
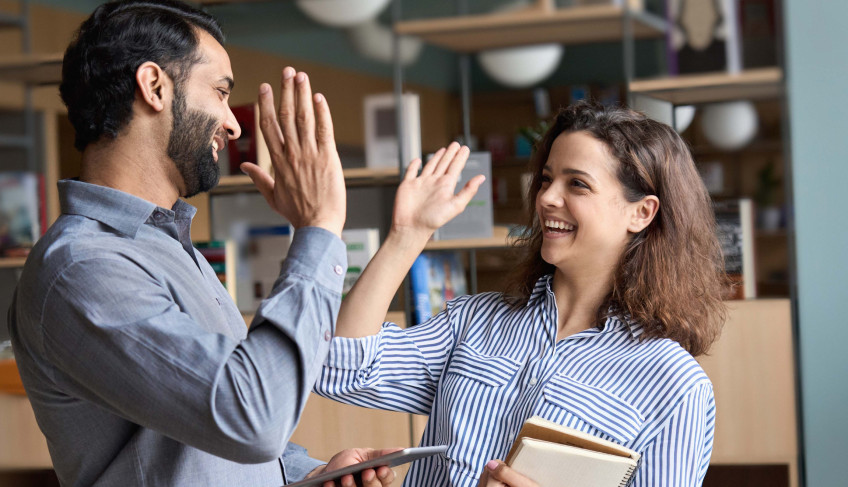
(581, 206)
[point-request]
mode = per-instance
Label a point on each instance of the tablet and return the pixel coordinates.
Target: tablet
(391, 460)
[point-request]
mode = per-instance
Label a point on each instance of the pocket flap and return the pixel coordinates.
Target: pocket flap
(602, 409)
(491, 370)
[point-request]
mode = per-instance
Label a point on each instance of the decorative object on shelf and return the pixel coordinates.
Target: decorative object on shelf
(373, 41)
(267, 248)
(524, 66)
(704, 36)
(436, 278)
(341, 13)
(712, 173)
(381, 134)
(769, 214)
(21, 212)
(477, 219)
(730, 125)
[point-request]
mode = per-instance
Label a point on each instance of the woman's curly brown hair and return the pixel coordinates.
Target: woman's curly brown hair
(671, 275)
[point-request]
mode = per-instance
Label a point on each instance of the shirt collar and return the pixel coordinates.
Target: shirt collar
(543, 290)
(119, 210)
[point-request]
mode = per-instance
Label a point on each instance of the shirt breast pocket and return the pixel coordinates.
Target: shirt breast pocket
(472, 393)
(489, 370)
(590, 409)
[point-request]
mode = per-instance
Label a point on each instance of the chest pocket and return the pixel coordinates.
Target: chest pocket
(489, 370)
(591, 409)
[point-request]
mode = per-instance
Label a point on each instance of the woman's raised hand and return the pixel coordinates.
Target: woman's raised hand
(426, 201)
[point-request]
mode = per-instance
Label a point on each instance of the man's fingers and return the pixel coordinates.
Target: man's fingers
(287, 109)
(324, 120)
(263, 181)
(268, 122)
(304, 112)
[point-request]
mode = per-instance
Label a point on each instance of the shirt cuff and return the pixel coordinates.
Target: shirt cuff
(358, 353)
(297, 463)
(319, 254)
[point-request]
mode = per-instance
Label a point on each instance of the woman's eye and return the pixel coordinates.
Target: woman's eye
(578, 184)
(546, 178)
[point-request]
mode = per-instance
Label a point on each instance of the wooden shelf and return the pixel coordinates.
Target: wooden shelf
(10, 380)
(499, 239)
(353, 177)
(569, 26)
(12, 262)
(752, 84)
(38, 69)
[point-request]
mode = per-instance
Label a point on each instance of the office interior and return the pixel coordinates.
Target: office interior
(768, 130)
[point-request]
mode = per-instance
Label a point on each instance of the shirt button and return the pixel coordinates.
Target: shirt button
(339, 269)
(158, 216)
(327, 336)
(533, 381)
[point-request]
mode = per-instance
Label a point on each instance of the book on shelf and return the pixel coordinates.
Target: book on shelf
(22, 212)
(221, 256)
(554, 455)
(249, 147)
(436, 278)
(361, 245)
(735, 230)
(477, 219)
(267, 247)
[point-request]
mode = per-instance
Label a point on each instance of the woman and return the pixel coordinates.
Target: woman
(619, 287)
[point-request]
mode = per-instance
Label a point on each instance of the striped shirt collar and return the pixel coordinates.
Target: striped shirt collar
(543, 293)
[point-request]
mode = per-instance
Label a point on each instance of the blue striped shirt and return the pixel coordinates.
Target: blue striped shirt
(480, 368)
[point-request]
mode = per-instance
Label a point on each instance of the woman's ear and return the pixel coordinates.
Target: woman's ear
(644, 212)
(152, 85)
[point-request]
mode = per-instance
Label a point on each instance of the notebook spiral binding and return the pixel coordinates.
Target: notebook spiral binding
(631, 474)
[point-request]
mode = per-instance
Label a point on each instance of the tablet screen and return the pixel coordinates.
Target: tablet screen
(391, 460)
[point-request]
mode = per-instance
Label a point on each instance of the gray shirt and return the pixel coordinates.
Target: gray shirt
(138, 364)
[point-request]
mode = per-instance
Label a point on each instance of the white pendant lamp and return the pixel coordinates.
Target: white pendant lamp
(374, 41)
(730, 125)
(521, 67)
(341, 13)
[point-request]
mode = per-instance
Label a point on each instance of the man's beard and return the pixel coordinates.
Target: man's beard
(189, 146)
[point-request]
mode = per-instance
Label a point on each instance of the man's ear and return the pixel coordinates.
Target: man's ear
(153, 85)
(643, 214)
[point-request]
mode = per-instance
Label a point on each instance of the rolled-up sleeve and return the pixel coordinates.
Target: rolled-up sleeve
(118, 338)
(396, 370)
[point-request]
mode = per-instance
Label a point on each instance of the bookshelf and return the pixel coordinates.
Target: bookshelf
(752, 84)
(538, 25)
(33, 69)
(12, 262)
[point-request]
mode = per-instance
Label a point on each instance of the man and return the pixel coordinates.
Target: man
(138, 365)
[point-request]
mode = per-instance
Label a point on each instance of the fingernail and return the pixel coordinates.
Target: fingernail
(288, 72)
(492, 464)
(264, 88)
(300, 78)
(319, 97)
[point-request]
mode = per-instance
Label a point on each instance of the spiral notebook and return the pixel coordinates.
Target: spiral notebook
(556, 455)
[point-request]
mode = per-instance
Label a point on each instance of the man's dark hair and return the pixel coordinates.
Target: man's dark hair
(98, 72)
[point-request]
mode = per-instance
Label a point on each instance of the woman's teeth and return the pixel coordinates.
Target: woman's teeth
(559, 225)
